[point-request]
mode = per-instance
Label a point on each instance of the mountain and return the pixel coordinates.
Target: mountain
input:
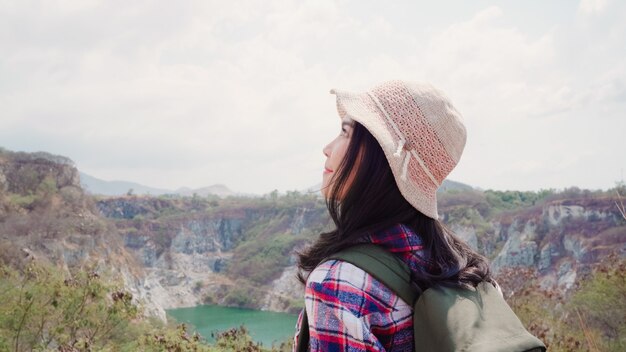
(237, 251)
(240, 251)
(46, 216)
(95, 185)
(219, 190)
(447, 185)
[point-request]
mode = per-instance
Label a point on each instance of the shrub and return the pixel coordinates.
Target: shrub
(600, 302)
(592, 318)
(39, 309)
(173, 339)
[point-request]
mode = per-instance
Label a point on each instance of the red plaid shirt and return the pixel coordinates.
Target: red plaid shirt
(349, 310)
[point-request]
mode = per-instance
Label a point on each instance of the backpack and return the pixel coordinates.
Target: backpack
(444, 319)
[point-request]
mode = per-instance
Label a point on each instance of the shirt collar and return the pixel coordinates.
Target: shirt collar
(397, 238)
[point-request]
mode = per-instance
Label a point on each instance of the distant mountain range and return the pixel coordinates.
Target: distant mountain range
(447, 185)
(95, 185)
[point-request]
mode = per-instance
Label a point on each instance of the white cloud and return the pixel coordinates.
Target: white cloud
(200, 92)
(592, 7)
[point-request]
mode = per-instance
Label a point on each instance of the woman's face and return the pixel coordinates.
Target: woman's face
(335, 151)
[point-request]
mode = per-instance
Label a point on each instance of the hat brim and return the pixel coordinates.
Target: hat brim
(361, 108)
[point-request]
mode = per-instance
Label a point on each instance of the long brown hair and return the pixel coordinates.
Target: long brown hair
(373, 202)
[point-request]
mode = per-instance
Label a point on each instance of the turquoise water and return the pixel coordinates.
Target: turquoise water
(264, 327)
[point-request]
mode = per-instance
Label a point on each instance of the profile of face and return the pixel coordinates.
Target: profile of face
(335, 151)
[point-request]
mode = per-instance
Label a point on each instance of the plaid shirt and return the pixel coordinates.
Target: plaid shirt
(349, 310)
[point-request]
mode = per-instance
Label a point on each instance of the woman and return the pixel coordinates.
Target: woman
(398, 142)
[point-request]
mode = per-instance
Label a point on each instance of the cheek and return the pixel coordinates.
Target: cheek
(340, 151)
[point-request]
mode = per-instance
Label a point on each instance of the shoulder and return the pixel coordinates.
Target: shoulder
(346, 285)
(337, 270)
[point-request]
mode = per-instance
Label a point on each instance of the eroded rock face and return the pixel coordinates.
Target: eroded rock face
(285, 290)
(467, 234)
(176, 260)
(520, 248)
(546, 256)
(189, 251)
(556, 240)
(568, 238)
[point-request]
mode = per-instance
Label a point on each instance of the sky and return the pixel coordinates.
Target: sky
(196, 93)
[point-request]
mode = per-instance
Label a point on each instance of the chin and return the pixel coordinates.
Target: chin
(324, 190)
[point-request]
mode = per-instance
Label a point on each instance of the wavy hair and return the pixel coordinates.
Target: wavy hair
(372, 203)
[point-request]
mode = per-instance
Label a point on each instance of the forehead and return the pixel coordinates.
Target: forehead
(346, 121)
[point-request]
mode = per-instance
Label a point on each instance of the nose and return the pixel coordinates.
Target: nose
(326, 150)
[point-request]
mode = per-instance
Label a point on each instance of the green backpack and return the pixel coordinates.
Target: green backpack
(444, 319)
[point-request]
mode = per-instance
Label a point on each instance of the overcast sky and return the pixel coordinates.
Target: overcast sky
(194, 93)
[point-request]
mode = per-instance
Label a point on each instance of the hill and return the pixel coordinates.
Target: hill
(174, 251)
(46, 217)
(97, 186)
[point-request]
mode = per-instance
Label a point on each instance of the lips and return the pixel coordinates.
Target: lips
(327, 170)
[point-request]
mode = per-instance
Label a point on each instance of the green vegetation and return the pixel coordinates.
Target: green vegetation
(42, 309)
(590, 318)
(27, 201)
(263, 261)
(509, 200)
(600, 304)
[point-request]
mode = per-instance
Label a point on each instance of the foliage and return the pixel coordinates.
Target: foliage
(262, 261)
(463, 198)
(509, 200)
(178, 338)
(23, 201)
(40, 309)
(173, 339)
(242, 294)
(591, 318)
(601, 301)
(238, 339)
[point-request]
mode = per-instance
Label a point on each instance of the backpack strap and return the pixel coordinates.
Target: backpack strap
(444, 319)
(383, 265)
(378, 262)
(303, 335)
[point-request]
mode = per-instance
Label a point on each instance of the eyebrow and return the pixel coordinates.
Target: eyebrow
(346, 123)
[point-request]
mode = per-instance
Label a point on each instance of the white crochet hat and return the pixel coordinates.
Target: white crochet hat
(419, 130)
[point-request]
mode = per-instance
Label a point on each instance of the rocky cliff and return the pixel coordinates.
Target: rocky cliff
(183, 251)
(561, 238)
(241, 252)
(45, 216)
(197, 250)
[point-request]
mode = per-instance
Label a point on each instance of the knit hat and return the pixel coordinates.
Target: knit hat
(419, 130)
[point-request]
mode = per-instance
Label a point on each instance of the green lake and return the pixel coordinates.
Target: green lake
(264, 327)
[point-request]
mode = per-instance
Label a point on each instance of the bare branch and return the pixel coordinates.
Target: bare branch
(620, 206)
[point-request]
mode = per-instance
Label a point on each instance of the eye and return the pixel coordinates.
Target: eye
(344, 132)
(346, 128)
